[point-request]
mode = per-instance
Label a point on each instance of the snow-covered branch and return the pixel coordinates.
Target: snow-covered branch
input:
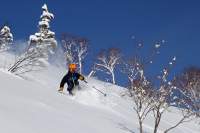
(31, 60)
(75, 49)
(140, 89)
(45, 38)
(107, 60)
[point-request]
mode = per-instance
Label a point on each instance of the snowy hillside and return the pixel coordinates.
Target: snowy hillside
(33, 105)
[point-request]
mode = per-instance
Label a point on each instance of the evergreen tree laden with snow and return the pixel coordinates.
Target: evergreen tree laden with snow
(44, 39)
(41, 44)
(6, 38)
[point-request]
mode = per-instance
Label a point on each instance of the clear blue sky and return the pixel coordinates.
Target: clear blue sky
(110, 23)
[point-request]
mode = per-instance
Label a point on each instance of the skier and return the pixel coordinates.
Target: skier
(71, 78)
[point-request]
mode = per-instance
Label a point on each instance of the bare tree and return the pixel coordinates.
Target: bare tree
(75, 49)
(187, 84)
(176, 93)
(140, 88)
(107, 60)
(132, 66)
(69, 48)
(156, 99)
(163, 95)
(82, 52)
(141, 91)
(33, 59)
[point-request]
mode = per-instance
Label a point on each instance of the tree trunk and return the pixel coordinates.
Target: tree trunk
(113, 77)
(157, 121)
(141, 129)
(91, 73)
(155, 128)
(80, 65)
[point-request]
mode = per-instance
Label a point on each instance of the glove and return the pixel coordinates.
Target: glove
(81, 78)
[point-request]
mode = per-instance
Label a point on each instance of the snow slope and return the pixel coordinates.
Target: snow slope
(33, 105)
(27, 107)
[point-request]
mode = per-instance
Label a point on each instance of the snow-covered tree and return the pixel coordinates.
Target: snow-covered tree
(107, 60)
(163, 94)
(6, 38)
(187, 85)
(82, 52)
(44, 39)
(155, 99)
(40, 45)
(75, 49)
(140, 89)
(189, 82)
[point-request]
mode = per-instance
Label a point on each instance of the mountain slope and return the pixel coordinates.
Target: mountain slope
(29, 107)
(34, 106)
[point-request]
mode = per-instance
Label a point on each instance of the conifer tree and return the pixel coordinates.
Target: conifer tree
(6, 38)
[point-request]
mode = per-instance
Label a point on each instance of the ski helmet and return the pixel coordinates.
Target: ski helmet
(72, 66)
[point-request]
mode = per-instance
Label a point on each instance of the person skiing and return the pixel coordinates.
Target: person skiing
(71, 78)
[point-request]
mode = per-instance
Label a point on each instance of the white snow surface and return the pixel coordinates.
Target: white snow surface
(33, 105)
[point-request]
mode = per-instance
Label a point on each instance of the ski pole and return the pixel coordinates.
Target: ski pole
(96, 89)
(85, 81)
(99, 91)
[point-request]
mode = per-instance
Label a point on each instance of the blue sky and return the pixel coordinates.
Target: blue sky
(110, 23)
